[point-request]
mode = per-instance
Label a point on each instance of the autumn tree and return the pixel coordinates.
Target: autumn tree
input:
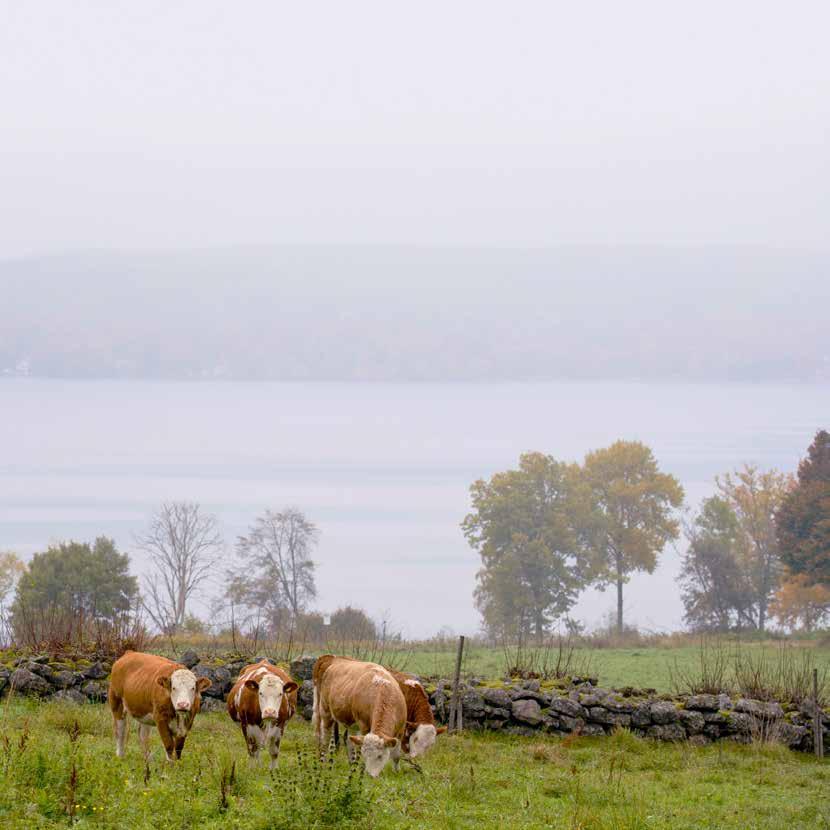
(278, 571)
(184, 544)
(529, 527)
(803, 521)
(800, 603)
(716, 592)
(636, 504)
(70, 589)
(755, 496)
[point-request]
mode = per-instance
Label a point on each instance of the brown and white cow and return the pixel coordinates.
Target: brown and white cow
(262, 701)
(154, 690)
(351, 692)
(420, 732)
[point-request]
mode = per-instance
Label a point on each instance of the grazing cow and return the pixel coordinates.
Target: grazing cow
(350, 692)
(420, 732)
(262, 701)
(154, 690)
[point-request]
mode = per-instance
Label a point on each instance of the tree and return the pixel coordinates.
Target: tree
(755, 497)
(349, 623)
(801, 604)
(716, 593)
(279, 571)
(803, 521)
(70, 587)
(529, 526)
(11, 569)
(185, 546)
(636, 503)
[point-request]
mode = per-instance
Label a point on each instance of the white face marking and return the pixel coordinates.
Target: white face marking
(182, 689)
(376, 754)
(421, 739)
(270, 696)
(252, 674)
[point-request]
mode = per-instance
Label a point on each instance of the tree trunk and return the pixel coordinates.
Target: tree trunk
(619, 604)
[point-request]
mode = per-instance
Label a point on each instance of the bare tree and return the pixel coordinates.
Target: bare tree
(184, 545)
(281, 577)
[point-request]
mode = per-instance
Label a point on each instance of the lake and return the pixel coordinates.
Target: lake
(383, 469)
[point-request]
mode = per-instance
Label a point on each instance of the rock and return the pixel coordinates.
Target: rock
(705, 703)
(551, 724)
(472, 706)
(189, 659)
(699, 740)
(592, 730)
(497, 713)
(592, 699)
(63, 679)
(715, 717)
(95, 672)
(220, 680)
(301, 668)
(760, 709)
(724, 702)
(525, 731)
(532, 685)
(526, 711)
(663, 712)
(212, 704)
(641, 716)
(95, 690)
(27, 683)
(571, 708)
(793, 736)
(72, 696)
(308, 712)
(739, 723)
(571, 724)
(588, 681)
(40, 669)
(667, 732)
(614, 704)
(305, 694)
(496, 697)
(4, 678)
(692, 721)
(599, 714)
(528, 694)
(713, 730)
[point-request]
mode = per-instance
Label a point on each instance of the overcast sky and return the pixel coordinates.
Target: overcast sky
(180, 124)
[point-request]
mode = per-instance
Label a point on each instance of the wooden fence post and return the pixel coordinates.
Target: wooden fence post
(455, 724)
(818, 733)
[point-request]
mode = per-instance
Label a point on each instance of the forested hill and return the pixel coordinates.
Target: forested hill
(399, 313)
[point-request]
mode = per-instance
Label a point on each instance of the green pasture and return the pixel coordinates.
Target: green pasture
(58, 769)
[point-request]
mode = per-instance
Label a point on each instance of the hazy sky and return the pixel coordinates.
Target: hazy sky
(167, 124)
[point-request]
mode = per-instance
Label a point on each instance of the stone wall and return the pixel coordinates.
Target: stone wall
(526, 707)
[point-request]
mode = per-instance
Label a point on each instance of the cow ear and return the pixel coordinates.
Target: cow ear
(440, 730)
(164, 682)
(391, 742)
(252, 685)
(289, 687)
(356, 739)
(202, 683)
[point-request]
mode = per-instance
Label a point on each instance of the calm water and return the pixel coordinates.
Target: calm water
(382, 468)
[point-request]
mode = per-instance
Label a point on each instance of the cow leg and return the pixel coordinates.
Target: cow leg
(121, 726)
(144, 739)
(324, 725)
(251, 742)
(167, 740)
(351, 749)
(179, 746)
(274, 749)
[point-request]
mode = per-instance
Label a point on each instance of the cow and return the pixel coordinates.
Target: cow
(350, 692)
(154, 690)
(420, 732)
(262, 701)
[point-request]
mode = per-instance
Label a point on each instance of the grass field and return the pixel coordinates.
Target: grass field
(469, 781)
(646, 666)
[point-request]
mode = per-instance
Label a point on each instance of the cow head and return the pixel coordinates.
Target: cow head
(376, 751)
(183, 687)
(421, 737)
(270, 689)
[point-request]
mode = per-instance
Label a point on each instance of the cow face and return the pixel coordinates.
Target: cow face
(422, 738)
(183, 687)
(376, 751)
(270, 690)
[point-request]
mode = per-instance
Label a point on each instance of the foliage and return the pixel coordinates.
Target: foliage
(11, 569)
(349, 623)
(801, 603)
(528, 527)
(635, 503)
(184, 545)
(803, 521)
(70, 588)
(755, 497)
(278, 572)
(469, 780)
(715, 589)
